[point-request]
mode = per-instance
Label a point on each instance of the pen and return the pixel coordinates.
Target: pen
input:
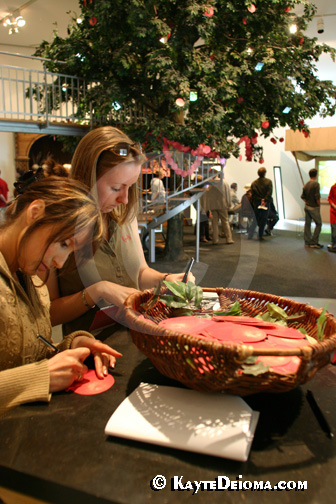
(188, 269)
(318, 414)
(50, 345)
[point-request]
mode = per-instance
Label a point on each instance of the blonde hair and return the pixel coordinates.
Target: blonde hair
(94, 156)
(68, 208)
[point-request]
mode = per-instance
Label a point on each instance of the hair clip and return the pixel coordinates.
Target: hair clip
(27, 179)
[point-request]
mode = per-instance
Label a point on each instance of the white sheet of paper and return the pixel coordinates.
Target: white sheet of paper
(210, 423)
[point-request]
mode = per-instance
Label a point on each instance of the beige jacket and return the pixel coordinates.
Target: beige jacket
(24, 373)
(218, 197)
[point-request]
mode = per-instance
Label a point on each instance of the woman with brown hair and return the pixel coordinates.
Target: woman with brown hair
(109, 164)
(49, 220)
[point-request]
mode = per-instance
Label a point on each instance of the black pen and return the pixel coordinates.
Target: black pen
(50, 345)
(188, 269)
(318, 414)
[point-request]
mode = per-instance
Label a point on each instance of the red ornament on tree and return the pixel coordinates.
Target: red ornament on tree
(306, 133)
(244, 21)
(240, 99)
(252, 8)
(265, 124)
(287, 9)
(93, 21)
(281, 139)
(273, 140)
(261, 160)
(209, 11)
(301, 40)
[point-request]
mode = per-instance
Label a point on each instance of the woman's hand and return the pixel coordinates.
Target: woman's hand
(174, 277)
(104, 355)
(110, 292)
(66, 367)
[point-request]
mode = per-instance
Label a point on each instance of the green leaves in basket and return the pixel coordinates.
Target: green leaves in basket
(182, 295)
(321, 322)
(234, 310)
(250, 367)
(278, 315)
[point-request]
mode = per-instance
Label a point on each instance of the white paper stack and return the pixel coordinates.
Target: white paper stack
(210, 423)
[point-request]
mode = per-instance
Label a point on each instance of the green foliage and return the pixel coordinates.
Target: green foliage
(234, 310)
(320, 323)
(182, 295)
(123, 53)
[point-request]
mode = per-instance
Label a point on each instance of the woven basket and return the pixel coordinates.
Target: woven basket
(211, 366)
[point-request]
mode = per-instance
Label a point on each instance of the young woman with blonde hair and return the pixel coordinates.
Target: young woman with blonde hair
(109, 164)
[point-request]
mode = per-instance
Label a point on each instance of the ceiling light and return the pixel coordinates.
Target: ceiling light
(14, 23)
(20, 21)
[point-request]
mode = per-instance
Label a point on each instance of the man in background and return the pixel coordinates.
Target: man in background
(235, 205)
(217, 200)
(261, 189)
(311, 196)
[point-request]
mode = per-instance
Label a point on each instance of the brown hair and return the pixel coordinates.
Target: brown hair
(94, 156)
(262, 172)
(68, 208)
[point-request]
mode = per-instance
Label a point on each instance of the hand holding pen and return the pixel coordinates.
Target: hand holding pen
(188, 269)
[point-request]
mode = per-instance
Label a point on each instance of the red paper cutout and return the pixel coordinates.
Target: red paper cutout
(90, 384)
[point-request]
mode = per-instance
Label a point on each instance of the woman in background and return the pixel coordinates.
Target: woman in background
(49, 219)
(108, 162)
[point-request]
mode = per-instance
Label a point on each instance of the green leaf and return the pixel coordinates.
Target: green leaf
(321, 322)
(311, 340)
(198, 296)
(276, 312)
(254, 369)
(190, 362)
(234, 310)
(177, 288)
(173, 301)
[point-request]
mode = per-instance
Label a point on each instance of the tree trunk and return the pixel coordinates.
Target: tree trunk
(174, 243)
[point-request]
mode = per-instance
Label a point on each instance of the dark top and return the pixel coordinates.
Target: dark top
(261, 188)
(311, 194)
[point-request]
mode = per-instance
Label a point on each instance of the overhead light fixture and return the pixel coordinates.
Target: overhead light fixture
(14, 23)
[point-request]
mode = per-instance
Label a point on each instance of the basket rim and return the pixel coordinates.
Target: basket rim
(243, 350)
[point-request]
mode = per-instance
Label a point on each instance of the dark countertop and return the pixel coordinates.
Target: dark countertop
(59, 452)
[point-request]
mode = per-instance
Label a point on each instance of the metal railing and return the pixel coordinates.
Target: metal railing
(179, 193)
(38, 95)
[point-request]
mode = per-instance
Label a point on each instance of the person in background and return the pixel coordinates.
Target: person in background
(108, 162)
(261, 190)
(235, 206)
(49, 219)
(246, 213)
(311, 197)
(4, 192)
(332, 203)
(217, 200)
(272, 219)
(157, 188)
